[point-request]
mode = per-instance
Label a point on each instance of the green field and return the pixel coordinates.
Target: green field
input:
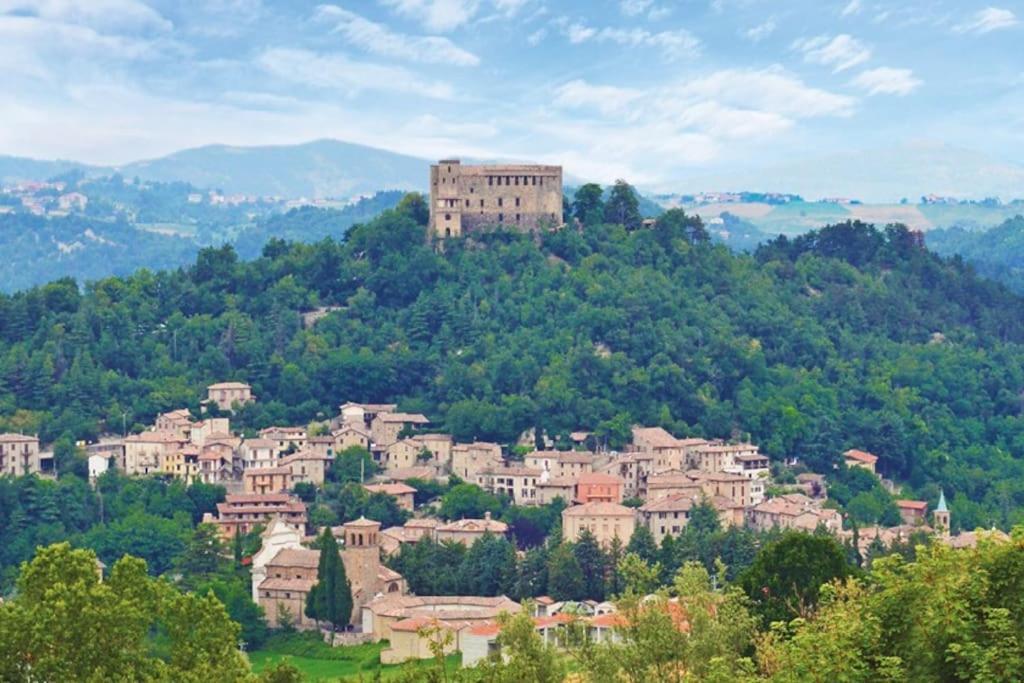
(319, 662)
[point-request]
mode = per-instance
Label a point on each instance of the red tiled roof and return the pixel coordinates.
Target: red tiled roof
(912, 504)
(390, 489)
(861, 456)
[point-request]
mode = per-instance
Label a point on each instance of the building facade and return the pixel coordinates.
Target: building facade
(466, 198)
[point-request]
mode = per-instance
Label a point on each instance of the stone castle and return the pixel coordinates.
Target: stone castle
(466, 198)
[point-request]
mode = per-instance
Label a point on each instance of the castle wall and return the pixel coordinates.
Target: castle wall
(468, 198)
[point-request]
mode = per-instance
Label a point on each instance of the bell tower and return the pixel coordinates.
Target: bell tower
(941, 515)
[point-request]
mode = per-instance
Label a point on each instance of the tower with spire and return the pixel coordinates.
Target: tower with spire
(941, 515)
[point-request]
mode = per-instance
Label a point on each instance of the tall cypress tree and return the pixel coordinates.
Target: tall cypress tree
(330, 598)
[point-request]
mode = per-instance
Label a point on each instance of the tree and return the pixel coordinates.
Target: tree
(414, 205)
(353, 464)
(203, 557)
(623, 206)
(588, 204)
(593, 564)
(643, 545)
(330, 598)
(785, 579)
(64, 624)
(468, 501)
(565, 576)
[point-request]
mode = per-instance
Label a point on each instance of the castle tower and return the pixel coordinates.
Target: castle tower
(941, 515)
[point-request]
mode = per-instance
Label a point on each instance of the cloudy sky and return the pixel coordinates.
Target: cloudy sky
(650, 90)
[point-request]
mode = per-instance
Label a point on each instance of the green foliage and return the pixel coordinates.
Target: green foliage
(469, 501)
(330, 598)
(65, 624)
(787, 575)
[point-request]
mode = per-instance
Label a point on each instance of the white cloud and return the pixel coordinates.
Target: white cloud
(841, 53)
(761, 31)
(675, 44)
(988, 20)
(380, 40)
(632, 8)
(537, 36)
(338, 72)
(104, 15)
(658, 13)
(772, 89)
(887, 81)
(607, 99)
(851, 8)
(436, 15)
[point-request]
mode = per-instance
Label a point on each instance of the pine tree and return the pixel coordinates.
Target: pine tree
(642, 543)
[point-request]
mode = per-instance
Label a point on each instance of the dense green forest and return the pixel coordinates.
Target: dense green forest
(847, 337)
(997, 253)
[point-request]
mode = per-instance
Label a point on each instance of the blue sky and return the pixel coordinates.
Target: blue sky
(650, 90)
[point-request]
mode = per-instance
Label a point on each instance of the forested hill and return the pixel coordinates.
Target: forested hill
(846, 337)
(997, 253)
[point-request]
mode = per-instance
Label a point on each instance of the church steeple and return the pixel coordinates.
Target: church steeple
(941, 515)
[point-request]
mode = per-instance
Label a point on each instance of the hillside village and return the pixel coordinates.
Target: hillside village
(654, 483)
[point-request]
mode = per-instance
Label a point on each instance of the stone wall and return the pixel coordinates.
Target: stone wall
(464, 199)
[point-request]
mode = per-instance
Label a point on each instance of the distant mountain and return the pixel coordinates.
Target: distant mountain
(997, 253)
(877, 175)
(322, 168)
(14, 169)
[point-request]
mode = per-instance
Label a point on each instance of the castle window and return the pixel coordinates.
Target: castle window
(542, 181)
(481, 203)
(517, 201)
(501, 217)
(507, 180)
(534, 180)
(490, 180)
(467, 202)
(517, 218)
(447, 216)
(517, 180)
(447, 232)
(500, 202)
(471, 190)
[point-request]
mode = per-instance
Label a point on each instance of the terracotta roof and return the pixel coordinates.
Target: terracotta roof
(224, 509)
(678, 503)
(562, 482)
(423, 523)
(351, 427)
(390, 489)
(861, 456)
(297, 585)
(154, 437)
(587, 509)
(229, 385)
(416, 418)
(416, 623)
(487, 630)
(579, 436)
(296, 557)
(258, 498)
(655, 437)
(599, 478)
(362, 523)
(266, 471)
(475, 525)
(11, 437)
(751, 457)
(912, 504)
(300, 456)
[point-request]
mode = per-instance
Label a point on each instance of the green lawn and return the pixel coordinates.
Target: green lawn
(319, 662)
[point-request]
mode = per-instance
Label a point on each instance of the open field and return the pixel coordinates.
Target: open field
(319, 662)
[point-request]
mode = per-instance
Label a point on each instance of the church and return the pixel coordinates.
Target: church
(284, 571)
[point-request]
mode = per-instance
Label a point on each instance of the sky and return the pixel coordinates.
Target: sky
(649, 90)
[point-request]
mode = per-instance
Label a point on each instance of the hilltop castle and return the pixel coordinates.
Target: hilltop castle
(466, 198)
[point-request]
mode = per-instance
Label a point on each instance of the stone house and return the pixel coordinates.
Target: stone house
(913, 511)
(228, 394)
(19, 455)
(439, 446)
(386, 427)
(597, 487)
(259, 453)
(468, 531)
(267, 480)
(857, 458)
(559, 464)
(556, 487)
(469, 459)
(404, 453)
(177, 421)
(403, 493)
(518, 483)
(306, 466)
(606, 521)
(351, 434)
(208, 430)
(241, 513)
(361, 413)
(285, 437)
(145, 453)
